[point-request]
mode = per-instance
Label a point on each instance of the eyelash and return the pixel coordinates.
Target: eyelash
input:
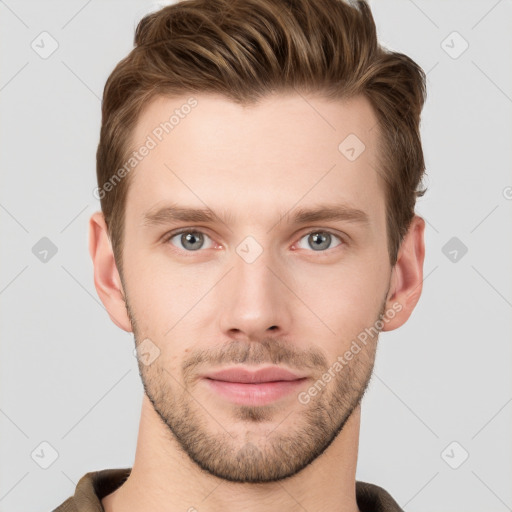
(167, 238)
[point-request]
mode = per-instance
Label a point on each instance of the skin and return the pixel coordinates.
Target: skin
(293, 306)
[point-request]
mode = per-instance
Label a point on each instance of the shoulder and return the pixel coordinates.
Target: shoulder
(91, 488)
(372, 498)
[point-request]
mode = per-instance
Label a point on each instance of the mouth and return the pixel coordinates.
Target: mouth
(242, 386)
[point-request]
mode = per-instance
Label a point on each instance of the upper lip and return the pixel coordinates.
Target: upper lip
(269, 374)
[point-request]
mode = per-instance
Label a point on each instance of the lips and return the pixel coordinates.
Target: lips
(271, 374)
(242, 386)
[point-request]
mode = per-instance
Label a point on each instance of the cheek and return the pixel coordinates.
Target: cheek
(151, 296)
(166, 299)
(347, 297)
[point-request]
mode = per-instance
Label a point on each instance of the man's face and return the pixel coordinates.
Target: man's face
(255, 288)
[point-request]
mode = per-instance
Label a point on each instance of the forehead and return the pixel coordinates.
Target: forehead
(289, 149)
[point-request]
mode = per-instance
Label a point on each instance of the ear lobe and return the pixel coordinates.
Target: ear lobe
(106, 277)
(407, 275)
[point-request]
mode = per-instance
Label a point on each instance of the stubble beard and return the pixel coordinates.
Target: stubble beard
(257, 444)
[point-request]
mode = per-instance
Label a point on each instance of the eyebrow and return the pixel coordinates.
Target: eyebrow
(328, 212)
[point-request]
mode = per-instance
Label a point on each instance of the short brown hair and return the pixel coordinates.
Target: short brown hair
(246, 49)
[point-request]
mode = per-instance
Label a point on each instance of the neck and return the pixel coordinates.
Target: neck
(164, 478)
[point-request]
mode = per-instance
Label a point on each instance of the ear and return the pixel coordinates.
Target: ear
(407, 276)
(106, 277)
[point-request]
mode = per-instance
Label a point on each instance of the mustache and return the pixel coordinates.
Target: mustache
(266, 351)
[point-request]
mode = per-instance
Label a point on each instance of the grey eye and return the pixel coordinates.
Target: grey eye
(320, 240)
(190, 240)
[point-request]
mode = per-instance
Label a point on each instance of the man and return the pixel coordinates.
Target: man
(258, 167)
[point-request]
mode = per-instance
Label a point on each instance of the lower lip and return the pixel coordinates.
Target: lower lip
(254, 394)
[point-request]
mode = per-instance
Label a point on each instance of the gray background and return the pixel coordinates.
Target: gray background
(68, 374)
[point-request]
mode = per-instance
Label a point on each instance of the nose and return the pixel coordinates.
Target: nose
(255, 300)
